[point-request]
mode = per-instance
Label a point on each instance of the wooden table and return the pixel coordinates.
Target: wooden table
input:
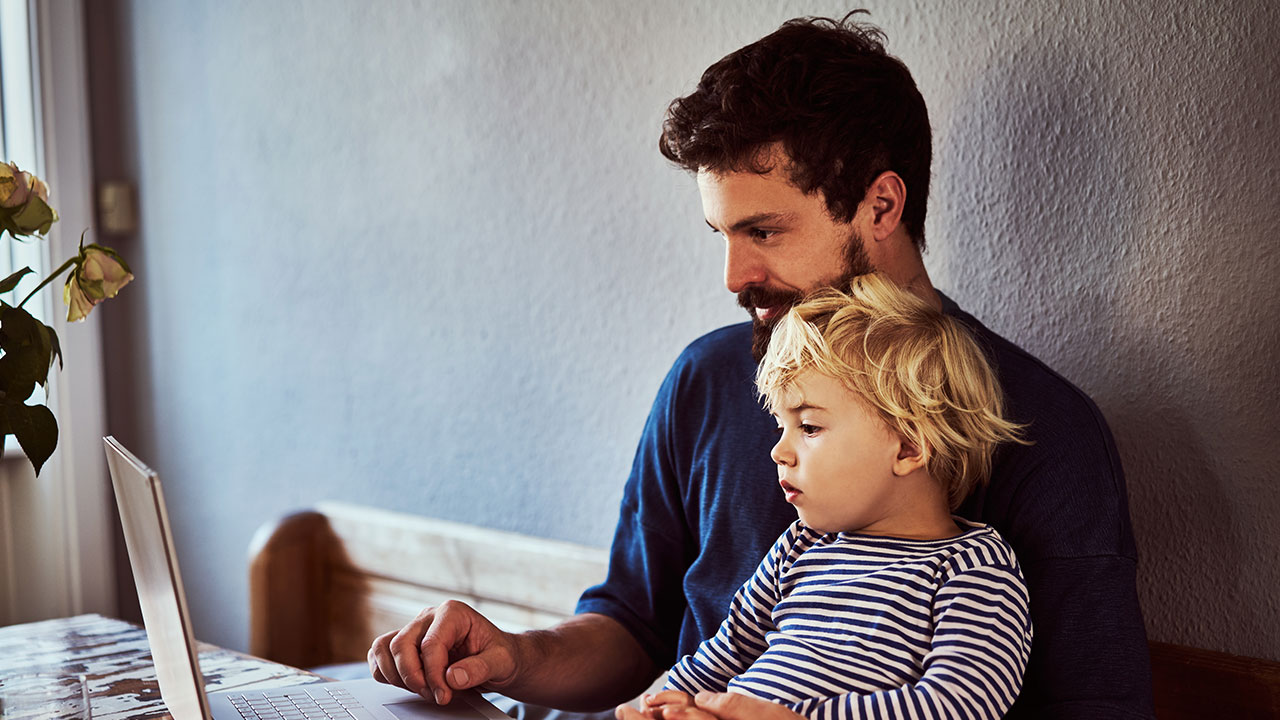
(41, 665)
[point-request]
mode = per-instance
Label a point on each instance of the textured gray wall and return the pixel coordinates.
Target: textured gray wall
(425, 256)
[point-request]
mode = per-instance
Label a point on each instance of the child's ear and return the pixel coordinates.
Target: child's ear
(911, 457)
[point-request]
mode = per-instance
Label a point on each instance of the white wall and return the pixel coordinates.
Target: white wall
(426, 256)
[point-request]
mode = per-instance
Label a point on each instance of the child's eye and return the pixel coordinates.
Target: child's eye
(809, 429)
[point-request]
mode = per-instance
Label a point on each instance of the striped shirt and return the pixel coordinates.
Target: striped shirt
(853, 626)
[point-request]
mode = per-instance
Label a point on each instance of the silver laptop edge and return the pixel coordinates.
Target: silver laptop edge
(155, 572)
(145, 521)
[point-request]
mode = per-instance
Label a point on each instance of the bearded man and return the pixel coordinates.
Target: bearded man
(812, 152)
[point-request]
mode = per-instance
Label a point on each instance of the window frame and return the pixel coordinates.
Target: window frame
(61, 560)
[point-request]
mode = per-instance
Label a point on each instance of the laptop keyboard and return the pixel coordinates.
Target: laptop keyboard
(298, 704)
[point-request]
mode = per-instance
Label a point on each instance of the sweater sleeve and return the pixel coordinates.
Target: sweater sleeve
(648, 560)
(974, 669)
(742, 636)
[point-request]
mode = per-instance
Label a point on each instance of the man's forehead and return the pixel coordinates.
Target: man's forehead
(743, 193)
(770, 159)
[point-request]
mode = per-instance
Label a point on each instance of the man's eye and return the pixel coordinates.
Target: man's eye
(761, 234)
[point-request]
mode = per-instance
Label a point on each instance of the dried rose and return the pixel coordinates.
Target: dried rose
(15, 185)
(24, 202)
(99, 274)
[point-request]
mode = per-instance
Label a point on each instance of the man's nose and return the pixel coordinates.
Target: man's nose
(742, 266)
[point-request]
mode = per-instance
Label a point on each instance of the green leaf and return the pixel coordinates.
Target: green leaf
(44, 352)
(11, 282)
(36, 430)
(17, 378)
(17, 324)
(28, 352)
(55, 347)
(4, 337)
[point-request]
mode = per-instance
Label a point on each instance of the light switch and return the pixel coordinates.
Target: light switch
(117, 208)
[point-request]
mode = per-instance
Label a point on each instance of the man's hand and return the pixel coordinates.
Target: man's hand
(735, 706)
(446, 648)
(660, 706)
(585, 663)
(711, 706)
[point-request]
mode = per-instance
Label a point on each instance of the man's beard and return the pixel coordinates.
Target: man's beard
(856, 263)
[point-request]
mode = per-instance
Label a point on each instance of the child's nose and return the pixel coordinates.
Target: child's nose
(781, 452)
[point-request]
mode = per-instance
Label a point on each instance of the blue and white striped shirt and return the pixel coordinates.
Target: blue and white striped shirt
(854, 626)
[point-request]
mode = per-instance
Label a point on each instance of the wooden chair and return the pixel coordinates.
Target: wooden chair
(323, 583)
(1190, 683)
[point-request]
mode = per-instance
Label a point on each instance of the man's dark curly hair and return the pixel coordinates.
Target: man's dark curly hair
(842, 108)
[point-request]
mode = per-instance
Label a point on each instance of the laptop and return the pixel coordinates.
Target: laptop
(164, 613)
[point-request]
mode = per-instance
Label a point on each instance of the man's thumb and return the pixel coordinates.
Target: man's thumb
(479, 669)
(719, 704)
(467, 673)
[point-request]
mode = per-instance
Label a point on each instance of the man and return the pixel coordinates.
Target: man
(812, 150)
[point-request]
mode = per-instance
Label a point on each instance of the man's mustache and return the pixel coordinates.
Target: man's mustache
(763, 297)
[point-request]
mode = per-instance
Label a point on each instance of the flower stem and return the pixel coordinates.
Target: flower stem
(48, 280)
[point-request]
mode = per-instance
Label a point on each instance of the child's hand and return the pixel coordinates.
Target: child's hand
(661, 706)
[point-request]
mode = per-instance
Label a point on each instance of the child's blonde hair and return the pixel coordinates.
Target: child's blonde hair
(919, 370)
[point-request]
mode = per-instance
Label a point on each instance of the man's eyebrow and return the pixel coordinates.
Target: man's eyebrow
(763, 218)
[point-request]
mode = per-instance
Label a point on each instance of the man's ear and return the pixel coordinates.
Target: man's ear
(885, 199)
(911, 457)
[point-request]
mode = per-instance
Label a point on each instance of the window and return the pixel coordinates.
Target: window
(20, 143)
(55, 529)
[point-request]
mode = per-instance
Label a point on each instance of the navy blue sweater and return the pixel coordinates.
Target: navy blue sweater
(702, 507)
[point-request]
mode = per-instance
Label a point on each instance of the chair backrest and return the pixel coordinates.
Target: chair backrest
(324, 582)
(1192, 683)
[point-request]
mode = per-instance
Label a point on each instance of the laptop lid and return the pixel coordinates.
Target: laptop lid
(155, 571)
(173, 647)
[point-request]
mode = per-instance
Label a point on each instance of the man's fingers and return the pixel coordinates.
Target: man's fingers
(406, 665)
(453, 624)
(434, 652)
(717, 702)
(733, 706)
(417, 657)
(379, 645)
(372, 657)
(382, 664)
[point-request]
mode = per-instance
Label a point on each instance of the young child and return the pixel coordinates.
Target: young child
(877, 602)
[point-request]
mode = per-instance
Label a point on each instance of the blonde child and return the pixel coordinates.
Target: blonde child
(876, 602)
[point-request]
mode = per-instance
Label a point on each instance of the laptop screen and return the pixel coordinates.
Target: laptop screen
(155, 571)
